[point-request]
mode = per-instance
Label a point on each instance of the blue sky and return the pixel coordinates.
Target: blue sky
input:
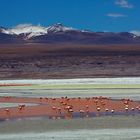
(96, 15)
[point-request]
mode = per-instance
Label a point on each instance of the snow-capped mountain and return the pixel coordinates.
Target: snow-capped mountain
(7, 36)
(58, 33)
(5, 31)
(136, 33)
(30, 30)
(59, 28)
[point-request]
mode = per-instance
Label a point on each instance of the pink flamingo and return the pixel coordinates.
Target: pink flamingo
(7, 110)
(112, 111)
(87, 106)
(132, 108)
(98, 109)
(106, 110)
(81, 112)
(126, 109)
(87, 113)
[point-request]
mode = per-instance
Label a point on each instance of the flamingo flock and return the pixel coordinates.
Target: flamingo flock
(67, 108)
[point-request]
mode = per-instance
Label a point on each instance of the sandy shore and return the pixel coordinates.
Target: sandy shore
(42, 125)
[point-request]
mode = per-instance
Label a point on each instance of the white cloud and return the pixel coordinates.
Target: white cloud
(135, 32)
(115, 15)
(123, 3)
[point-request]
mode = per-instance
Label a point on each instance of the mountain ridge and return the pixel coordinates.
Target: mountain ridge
(58, 33)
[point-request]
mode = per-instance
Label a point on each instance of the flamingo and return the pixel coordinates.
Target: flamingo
(68, 107)
(87, 99)
(126, 105)
(7, 110)
(54, 110)
(53, 107)
(59, 111)
(81, 112)
(112, 111)
(126, 102)
(102, 103)
(7, 97)
(40, 99)
(61, 102)
(69, 113)
(79, 98)
(23, 106)
(132, 108)
(96, 101)
(137, 107)
(98, 109)
(87, 113)
(59, 108)
(20, 108)
(70, 110)
(53, 99)
(87, 106)
(100, 98)
(66, 97)
(106, 109)
(126, 109)
(64, 103)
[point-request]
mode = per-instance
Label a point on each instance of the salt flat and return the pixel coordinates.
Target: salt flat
(122, 80)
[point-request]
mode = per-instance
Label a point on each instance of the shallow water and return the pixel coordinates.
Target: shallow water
(102, 134)
(114, 93)
(2, 105)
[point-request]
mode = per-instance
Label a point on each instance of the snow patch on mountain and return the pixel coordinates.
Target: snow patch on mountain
(30, 30)
(136, 33)
(59, 28)
(5, 31)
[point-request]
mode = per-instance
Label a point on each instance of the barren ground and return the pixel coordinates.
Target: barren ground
(31, 61)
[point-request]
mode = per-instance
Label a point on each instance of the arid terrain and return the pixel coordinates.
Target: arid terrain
(31, 61)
